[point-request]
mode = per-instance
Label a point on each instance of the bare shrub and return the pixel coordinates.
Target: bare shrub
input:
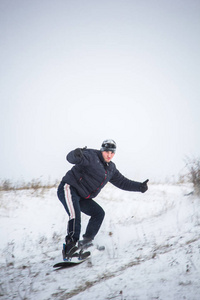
(5, 185)
(193, 175)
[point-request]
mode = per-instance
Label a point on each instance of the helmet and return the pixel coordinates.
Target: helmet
(108, 145)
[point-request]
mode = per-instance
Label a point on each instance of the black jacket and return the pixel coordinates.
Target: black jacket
(91, 173)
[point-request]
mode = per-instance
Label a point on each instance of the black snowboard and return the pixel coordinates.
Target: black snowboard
(73, 261)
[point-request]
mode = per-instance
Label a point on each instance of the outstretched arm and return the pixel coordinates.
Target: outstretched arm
(128, 185)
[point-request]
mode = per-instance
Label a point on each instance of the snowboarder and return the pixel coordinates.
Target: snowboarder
(91, 171)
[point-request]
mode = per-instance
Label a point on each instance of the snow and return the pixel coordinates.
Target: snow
(152, 246)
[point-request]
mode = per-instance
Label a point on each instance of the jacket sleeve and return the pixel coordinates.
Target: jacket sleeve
(124, 183)
(83, 160)
(72, 159)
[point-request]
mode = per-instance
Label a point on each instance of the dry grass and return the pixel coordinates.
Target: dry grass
(34, 184)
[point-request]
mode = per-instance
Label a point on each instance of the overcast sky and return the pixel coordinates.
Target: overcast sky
(74, 73)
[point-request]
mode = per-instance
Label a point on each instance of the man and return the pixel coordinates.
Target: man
(92, 170)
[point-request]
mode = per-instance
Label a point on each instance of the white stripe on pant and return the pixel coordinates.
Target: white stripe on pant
(69, 202)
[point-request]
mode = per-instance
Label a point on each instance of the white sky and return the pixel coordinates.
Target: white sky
(74, 73)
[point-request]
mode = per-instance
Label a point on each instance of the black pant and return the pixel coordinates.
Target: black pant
(74, 205)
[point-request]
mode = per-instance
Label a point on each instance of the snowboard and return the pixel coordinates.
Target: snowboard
(70, 263)
(77, 257)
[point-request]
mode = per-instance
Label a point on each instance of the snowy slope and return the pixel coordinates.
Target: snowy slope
(152, 245)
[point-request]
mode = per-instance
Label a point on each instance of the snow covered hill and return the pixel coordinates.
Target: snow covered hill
(152, 247)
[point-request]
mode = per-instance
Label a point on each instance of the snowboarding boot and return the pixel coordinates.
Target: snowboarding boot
(69, 248)
(85, 243)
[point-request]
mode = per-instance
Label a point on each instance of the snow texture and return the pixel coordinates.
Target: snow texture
(152, 247)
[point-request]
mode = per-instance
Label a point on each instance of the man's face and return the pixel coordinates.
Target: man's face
(108, 155)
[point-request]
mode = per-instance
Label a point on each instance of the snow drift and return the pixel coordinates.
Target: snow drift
(152, 247)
